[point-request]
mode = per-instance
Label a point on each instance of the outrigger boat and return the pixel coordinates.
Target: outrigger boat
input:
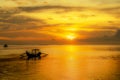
(35, 54)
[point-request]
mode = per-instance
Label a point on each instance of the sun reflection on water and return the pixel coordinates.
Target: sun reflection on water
(67, 62)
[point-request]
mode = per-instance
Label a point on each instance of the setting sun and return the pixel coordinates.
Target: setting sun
(71, 37)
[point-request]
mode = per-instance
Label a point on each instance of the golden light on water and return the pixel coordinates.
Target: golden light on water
(79, 36)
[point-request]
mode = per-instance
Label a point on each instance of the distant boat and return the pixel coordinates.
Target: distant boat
(5, 45)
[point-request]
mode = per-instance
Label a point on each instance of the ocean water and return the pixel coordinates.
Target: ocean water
(64, 62)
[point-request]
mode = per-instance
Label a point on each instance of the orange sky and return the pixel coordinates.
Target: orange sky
(59, 21)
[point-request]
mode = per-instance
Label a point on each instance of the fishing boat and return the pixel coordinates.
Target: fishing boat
(35, 53)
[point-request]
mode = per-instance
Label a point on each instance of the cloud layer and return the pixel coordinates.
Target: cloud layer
(52, 24)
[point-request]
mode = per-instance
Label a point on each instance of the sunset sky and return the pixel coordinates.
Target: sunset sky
(59, 21)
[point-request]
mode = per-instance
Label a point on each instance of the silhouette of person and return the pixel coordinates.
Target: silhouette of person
(5, 46)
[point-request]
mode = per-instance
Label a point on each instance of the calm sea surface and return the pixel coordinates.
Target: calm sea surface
(64, 62)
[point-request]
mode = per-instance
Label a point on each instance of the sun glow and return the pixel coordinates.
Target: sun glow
(71, 37)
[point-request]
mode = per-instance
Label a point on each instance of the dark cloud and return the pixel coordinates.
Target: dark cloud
(15, 20)
(25, 34)
(107, 37)
(64, 8)
(112, 8)
(117, 35)
(115, 11)
(9, 16)
(10, 21)
(19, 20)
(13, 27)
(6, 13)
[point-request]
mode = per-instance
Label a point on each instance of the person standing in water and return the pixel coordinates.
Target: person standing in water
(5, 46)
